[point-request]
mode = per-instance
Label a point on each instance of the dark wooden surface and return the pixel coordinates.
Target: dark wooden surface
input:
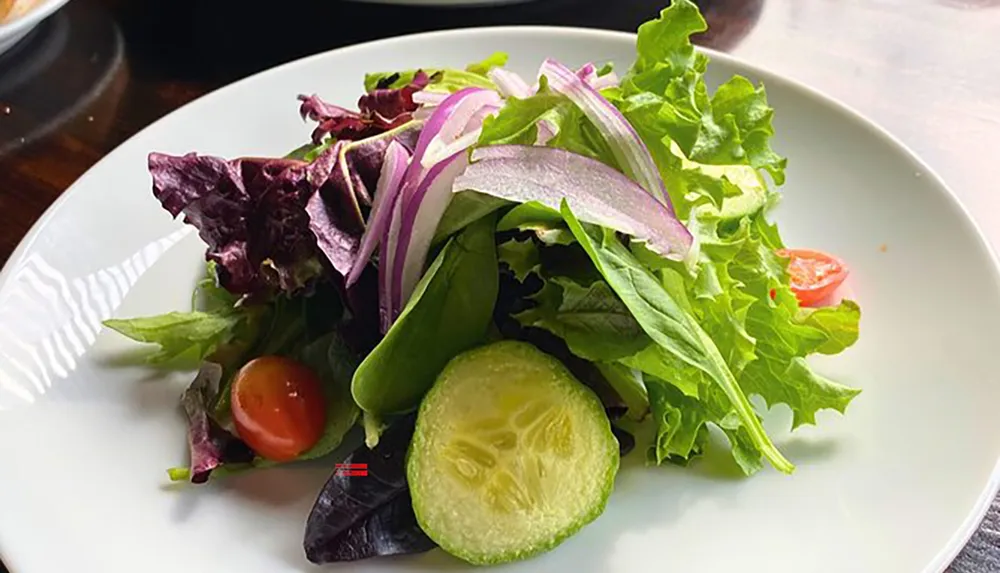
(100, 70)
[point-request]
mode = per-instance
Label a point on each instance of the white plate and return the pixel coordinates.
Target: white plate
(12, 32)
(896, 486)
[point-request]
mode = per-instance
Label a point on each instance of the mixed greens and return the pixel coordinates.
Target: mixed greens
(595, 246)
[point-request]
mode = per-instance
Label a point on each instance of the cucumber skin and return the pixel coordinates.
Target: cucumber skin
(412, 476)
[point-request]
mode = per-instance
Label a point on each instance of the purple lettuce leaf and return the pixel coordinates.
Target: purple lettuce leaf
(383, 102)
(277, 224)
(380, 110)
(250, 212)
(211, 446)
(334, 211)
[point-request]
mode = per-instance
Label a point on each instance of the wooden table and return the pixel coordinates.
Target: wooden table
(101, 70)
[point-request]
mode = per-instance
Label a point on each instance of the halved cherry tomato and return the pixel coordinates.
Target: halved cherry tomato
(278, 407)
(813, 275)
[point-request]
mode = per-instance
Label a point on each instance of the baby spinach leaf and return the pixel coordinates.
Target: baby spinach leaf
(449, 312)
(465, 208)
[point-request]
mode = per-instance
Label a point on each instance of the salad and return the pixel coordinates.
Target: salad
(502, 282)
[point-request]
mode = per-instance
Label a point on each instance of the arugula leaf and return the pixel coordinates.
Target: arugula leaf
(449, 312)
(595, 324)
(217, 327)
(670, 326)
(185, 337)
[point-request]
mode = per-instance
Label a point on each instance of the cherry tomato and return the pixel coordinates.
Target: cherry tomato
(278, 407)
(813, 275)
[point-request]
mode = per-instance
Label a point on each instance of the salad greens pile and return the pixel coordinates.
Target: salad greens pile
(619, 224)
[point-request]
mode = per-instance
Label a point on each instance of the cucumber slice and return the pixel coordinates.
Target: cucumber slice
(511, 455)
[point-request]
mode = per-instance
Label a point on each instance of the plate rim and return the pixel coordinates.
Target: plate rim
(762, 73)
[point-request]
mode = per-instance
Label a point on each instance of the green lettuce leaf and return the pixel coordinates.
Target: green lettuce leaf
(494, 60)
(780, 373)
(521, 257)
(681, 423)
(516, 122)
(665, 97)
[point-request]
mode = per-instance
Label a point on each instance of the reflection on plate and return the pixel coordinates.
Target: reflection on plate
(896, 486)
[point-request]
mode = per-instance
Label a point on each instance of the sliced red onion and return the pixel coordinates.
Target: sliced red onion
(459, 123)
(510, 84)
(425, 97)
(423, 112)
(424, 195)
(625, 144)
(435, 122)
(439, 152)
(443, 152)
(420, 218)
(596, 192)
(608, 80)
(546, 131)
(587, 72)
(387, 310)
(389, 183)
